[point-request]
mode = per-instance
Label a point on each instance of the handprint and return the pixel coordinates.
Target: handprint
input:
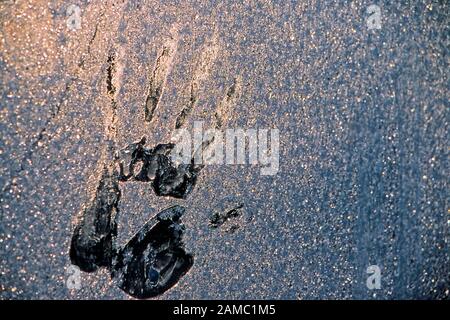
(155, 258)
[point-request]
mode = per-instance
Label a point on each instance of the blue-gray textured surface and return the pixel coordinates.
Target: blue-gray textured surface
(363, 120)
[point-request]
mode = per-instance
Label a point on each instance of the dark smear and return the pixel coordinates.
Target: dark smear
(154, 259)
(172, 181)
(204, 64)
(219, 218)
(109, 75)
(129, 158)
(156, 82)
(156, 165)
(151, 102)
(181, 119)
(92, 241)
(227, 100)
